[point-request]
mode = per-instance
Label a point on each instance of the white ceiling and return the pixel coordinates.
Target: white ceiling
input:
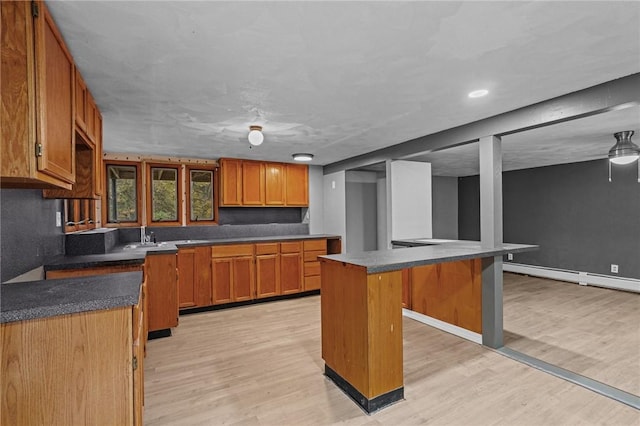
(339, 79)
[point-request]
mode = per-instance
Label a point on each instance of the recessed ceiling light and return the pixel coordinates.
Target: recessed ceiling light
(478, 93)
(302, 157)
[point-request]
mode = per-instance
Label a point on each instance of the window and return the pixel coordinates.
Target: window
(163, 194)
(201, 195)
(123, 187)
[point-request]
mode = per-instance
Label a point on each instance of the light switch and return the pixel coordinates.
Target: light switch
(58, 219)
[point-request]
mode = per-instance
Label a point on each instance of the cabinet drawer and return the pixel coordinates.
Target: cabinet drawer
(315, 244)
(312, 256)
(312, 283)
(232, 250)
(311, 268)
(267, 248)
(291, 247)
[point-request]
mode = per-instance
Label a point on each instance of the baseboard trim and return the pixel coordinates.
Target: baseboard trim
(444, 326)
(582, 278)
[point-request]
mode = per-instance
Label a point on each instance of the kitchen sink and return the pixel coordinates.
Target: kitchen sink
(134, 246)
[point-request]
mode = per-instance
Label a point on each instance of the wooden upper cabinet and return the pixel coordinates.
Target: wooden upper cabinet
(230, 182)
(55, 85)
(38, 100)
(274, 184)
(297, 185)
(98, 184)
(81, 102)
(253, 190)
(259, 183)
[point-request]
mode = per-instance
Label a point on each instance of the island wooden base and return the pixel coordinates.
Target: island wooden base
(362, 332)
(368, 405)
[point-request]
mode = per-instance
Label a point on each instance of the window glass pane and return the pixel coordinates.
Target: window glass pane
(201, 195)
(164, 194)
(121, 194)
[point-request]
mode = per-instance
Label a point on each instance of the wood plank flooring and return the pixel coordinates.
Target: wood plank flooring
(261, 365)
(589, 330)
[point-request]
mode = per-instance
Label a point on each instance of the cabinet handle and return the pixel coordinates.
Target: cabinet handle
(135, 363)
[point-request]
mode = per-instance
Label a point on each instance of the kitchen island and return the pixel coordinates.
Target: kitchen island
(361, 309)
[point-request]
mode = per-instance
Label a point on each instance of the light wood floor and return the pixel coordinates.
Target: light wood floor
(589, 330)
(261, 365)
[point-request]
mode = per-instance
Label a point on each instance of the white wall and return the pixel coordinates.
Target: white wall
(334, 205)
(315, 211)
(410, 199)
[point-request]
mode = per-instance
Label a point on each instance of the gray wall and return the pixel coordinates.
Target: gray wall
(361, 211)
(581, 221)
(444, 193)
(28, 232)
(316, 194)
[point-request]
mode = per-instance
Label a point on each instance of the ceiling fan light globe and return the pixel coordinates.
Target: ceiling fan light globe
(627, 159)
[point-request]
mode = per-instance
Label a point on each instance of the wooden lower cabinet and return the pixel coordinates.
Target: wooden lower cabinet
(83, 368)
(291, 274)
(162, 289)
(267, 270)
(313, 249)
(194, 277)
(406, 288)
(232, 271)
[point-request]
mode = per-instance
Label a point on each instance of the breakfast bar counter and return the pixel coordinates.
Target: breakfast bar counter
(361, 309)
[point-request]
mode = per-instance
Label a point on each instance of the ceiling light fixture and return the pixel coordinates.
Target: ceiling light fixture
(478, 93)
(255, 135)
(624, 151)
(302, 157)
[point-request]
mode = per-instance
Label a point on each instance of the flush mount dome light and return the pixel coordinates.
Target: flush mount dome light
(255, 135)
(478, 93)
(624, 151)
(302, 157)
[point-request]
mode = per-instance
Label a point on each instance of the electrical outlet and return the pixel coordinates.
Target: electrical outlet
(58, 219)
(614, 268)
(509, 256)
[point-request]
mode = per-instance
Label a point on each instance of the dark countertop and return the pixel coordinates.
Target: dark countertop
(48, 298)
(393, 260)
(123, 255)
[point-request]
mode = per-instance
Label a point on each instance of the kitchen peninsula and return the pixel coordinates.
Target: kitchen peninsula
(361, 309)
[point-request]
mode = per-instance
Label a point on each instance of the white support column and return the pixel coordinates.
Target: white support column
(491, 236)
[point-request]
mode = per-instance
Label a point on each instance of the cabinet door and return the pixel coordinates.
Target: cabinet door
(252, 183)
(162, 288)
(98, 151)
(186, 282)
(274, 184)
(91, 117)
(81, 102)
(291, 272)
(230, 182)
(243, 278)
(203, 291)
(222, 275)
(267, 275)
(297, 185)
(55, 85)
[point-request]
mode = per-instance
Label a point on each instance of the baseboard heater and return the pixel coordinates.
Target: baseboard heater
(582, 278)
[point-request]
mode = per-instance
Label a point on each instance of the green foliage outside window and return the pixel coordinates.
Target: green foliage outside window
(201, 195)
(121, 194)
(164, 194)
